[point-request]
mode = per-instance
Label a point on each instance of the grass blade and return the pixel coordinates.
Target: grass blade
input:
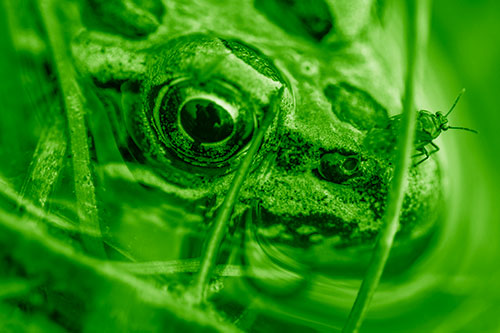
(74, 105)
(99, 284)
(10, 197)
(416, 40)
(225, 211)
(47, 162)
(175, 267)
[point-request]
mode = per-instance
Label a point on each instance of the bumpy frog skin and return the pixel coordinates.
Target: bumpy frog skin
(303, 193)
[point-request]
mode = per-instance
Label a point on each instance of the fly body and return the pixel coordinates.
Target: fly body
(382, 141)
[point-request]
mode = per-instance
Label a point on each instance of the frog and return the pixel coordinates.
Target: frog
(186, 99)
(174, 98)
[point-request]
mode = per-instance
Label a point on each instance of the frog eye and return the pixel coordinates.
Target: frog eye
(338, 168)
(203, 123)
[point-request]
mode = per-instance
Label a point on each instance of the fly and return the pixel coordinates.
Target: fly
(429, 126)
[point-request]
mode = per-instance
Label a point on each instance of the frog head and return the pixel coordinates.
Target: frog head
(187, 98)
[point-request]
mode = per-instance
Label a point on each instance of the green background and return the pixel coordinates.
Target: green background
(464, 52)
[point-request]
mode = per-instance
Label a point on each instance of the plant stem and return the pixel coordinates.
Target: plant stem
(74, 105)
(225, 211)
(417, 16)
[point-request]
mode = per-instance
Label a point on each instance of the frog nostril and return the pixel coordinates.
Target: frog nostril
(338, 168)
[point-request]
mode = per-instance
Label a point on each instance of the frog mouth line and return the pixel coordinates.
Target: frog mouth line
(332, 245)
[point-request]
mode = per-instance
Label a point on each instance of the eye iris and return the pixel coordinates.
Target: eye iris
(206, 121)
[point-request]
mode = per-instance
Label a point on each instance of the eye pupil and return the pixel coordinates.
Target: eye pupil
(206, 121)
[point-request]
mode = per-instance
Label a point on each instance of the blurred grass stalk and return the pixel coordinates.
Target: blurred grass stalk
(75, 110)
(418, 15)
(225, 212)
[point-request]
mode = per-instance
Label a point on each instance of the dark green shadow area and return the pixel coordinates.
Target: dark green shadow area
(310, 19)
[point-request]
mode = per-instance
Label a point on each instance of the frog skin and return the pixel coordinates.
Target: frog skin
(300, 190)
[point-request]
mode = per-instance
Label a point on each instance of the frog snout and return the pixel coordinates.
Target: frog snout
(338, 168)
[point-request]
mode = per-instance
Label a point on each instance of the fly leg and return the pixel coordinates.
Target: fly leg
(422, 151)
(436, 148)
(427, 154)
